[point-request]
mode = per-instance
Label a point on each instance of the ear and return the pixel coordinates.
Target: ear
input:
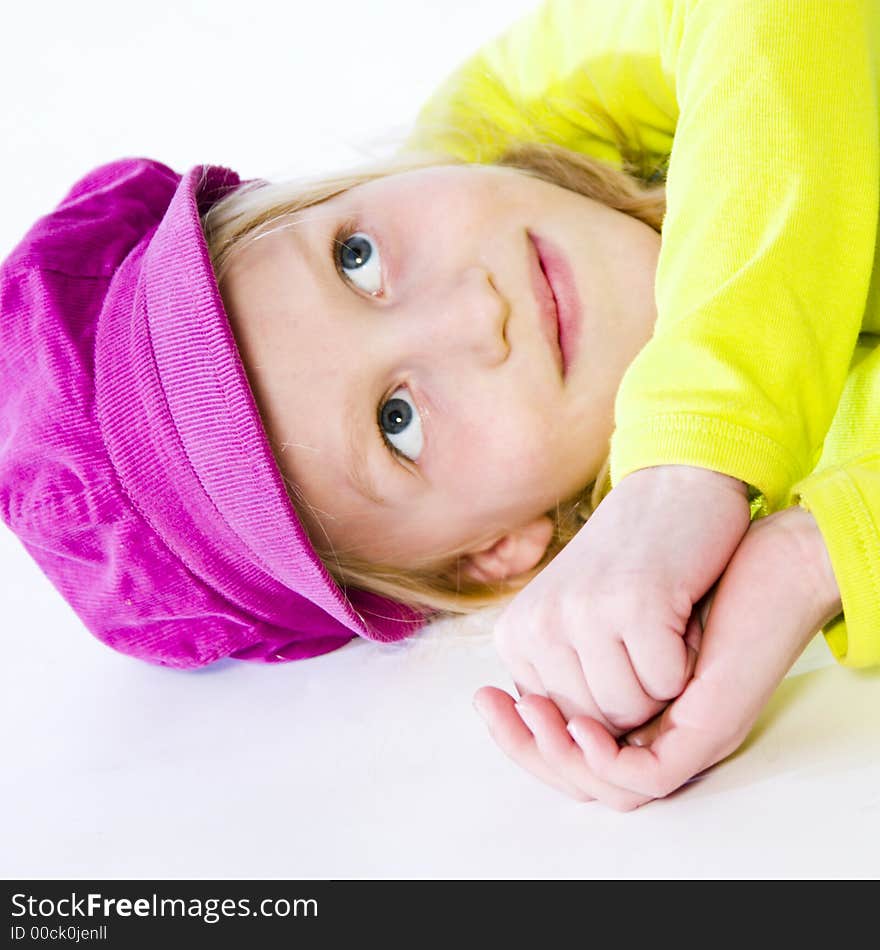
(512, 554)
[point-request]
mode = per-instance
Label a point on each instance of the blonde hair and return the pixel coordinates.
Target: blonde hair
(257, 207)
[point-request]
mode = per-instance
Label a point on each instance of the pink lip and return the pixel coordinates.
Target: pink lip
(557, 277)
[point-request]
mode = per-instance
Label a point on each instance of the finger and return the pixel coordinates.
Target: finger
(563, 682)
(515, 739)
(693, 637)
(693, 634)
(565, 757)
(660, 660)
(645, 735)
(677, 753)
(561, 679)
(704, 606)
(615, 687)
(525, 678)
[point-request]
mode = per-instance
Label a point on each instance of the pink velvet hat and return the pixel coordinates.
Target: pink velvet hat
(133, 463)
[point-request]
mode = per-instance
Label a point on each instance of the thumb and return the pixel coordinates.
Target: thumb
(693, 637)
(693, 634)
(705, 605)
(644, 735)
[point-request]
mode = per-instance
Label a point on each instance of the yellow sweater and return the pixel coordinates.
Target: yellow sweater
(763, 114)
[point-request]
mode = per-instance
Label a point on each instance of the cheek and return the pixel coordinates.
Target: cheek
(505, 455)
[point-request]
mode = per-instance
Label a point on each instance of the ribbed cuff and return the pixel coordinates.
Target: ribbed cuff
(706, 442)
(850, 534)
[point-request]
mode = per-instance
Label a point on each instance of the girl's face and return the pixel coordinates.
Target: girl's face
(403, 344)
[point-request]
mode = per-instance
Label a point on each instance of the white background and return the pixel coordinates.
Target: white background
(366, 762)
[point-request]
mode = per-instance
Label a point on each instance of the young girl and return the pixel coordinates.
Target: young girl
(217, 396)
(762, 364)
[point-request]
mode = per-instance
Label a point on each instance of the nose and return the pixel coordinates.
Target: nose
(467, 315)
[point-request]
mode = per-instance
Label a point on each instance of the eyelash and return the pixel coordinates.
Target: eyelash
(404, 460)
(340, 236)
(345, 231)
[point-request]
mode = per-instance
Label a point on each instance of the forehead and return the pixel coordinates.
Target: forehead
(426, 182)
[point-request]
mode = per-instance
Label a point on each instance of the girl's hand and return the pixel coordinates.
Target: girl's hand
(603, 630)
(778, 590)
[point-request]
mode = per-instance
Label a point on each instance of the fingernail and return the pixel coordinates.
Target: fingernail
(526, 715)
(576, 732)
(479, 710)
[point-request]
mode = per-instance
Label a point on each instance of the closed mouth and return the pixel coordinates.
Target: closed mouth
(568, 312)
(547, 306)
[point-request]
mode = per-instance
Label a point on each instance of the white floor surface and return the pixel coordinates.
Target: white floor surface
(366, 763)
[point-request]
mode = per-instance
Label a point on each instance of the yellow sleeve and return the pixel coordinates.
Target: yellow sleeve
(768, 242)
(768, 113)
(843, 495)
(585, 74)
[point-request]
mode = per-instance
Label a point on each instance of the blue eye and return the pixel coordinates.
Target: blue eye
(357, 259)
(401, 425)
